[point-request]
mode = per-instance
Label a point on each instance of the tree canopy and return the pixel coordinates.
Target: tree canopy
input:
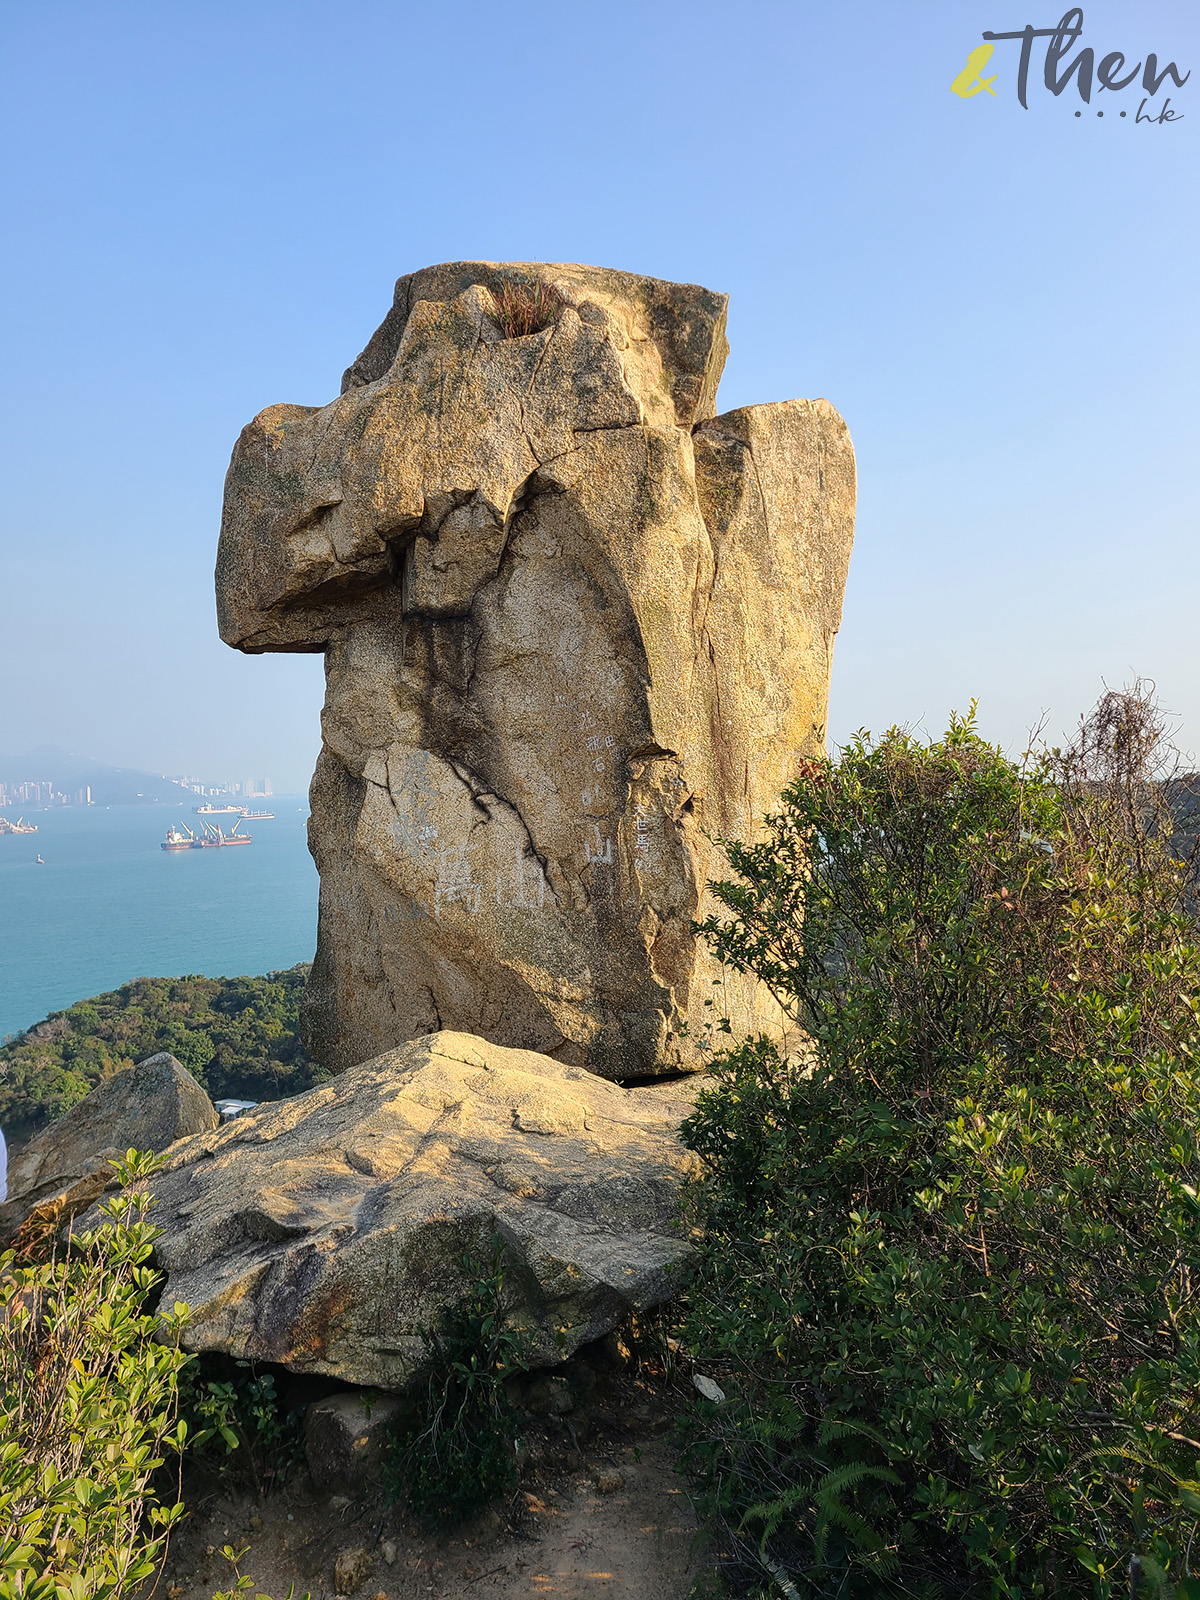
(238, 1036)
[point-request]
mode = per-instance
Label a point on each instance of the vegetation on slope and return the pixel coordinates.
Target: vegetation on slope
(238, 1036)
(950, 1268)
(948, 1256)
(88, 1387)
(91, 1431)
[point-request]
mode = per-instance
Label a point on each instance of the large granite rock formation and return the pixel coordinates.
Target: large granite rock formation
(326, 1231)
(574, 625)
(67, 1166)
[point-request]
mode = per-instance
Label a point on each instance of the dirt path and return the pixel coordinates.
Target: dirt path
(612, 1520)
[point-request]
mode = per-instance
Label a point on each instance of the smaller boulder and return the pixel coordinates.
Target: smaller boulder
(346, 1439)
(350, 1569)
(546, 1395)
(66, 1167)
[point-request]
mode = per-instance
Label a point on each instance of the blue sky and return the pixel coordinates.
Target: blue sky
(207, 207)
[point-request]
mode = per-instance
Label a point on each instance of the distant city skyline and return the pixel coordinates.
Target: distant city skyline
(44, 793)
(38, 794)
(53, 776)
(245, 788)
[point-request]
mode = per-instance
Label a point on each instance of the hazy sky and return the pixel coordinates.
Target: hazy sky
(207, 205)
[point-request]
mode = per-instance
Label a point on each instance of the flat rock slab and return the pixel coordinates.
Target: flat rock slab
(324, 1232)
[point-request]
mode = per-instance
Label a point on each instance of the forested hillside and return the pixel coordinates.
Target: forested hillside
(239, 1036)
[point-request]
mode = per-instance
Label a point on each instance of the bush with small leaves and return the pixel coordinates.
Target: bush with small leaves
(454, 1451)
(230, 1407)
(87, 1409)
(949, 1275)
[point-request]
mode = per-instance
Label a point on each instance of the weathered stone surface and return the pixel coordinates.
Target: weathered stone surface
(346, 1440)
(325, 1231)
(63, 1170)
(546, 1396)
(573, 623)
(351, 1569)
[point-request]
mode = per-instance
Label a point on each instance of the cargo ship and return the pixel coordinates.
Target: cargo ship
(19, 826)
(256, 816)
(181, 837)
(214, 839)
(210, 810)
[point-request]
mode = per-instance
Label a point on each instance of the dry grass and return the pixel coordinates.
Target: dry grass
(523, 308)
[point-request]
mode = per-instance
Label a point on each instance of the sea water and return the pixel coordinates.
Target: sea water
(109, 905)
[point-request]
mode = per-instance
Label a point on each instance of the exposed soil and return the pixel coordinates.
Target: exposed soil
(600, 1511)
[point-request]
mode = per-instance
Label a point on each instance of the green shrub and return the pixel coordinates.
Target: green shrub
(951, 1251)
(454, 1450)
(230, 1407)
(242, 1580)
(87, 1410)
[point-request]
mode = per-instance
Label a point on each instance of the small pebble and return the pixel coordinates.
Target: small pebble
(388, 1551)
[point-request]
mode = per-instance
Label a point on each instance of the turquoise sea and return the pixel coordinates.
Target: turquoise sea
(109, 905)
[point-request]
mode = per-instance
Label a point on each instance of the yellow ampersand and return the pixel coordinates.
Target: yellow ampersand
(969, 81)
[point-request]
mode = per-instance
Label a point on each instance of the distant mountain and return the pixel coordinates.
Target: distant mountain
(110, 786)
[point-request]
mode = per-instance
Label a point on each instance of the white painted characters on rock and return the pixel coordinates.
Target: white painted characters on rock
(413, 797)
(529, 892)
(641, 840)
(598, 749)
(602, 855)
(455, 883)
